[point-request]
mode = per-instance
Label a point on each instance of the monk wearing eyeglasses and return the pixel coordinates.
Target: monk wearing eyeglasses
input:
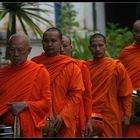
(24, 90)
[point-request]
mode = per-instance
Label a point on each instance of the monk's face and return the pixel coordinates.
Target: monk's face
(66, 48)
(98, 47)
(136, 31)
(51, 43)
(19, 50)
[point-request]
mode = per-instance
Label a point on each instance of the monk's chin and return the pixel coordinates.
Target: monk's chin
(98, 56)
(17, 63)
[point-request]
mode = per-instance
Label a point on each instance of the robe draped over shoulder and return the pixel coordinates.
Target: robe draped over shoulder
(28, 82)
(66, 86)
(111, 93)
(130, 57)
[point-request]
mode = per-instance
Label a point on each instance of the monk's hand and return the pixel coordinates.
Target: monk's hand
(125, 121)
(17, 107)
(89, 129)
(58, 123)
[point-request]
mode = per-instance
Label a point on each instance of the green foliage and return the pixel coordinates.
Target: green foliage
(117, 38)
(68, 18)
(80, 46)
(26, 13)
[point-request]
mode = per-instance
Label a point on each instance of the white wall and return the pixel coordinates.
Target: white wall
(50, 16)
(36, 49)
(100, 14)
(79, 7)
(85, 16)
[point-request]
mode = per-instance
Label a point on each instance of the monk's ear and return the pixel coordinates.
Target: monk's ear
(30, 48)
(61, 41)
(106, 45)
(71, 47)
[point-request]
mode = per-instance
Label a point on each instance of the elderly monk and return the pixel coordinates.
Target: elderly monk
(24, 90)
(111, 87)
(130, 57)
(66, 83)
(84, 125)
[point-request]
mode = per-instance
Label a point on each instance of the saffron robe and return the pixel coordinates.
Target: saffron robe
(130, 57)
(112, 88)
(85, 108)
(28, 82)
(67, 88)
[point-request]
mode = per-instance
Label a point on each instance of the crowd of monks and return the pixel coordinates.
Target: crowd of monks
(56, 95)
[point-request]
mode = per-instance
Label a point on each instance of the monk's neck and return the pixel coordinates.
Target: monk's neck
(137, 43)
(50, 56)
(98, 59)
(20, 66)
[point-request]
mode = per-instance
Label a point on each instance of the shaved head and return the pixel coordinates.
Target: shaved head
(136, 31)
(137, 22)
(19, 48)
(20, 36)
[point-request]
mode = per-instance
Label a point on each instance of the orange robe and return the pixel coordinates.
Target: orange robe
(26, 82)
(130, 57)
(85, 108)
(67, 89)
(112, 88)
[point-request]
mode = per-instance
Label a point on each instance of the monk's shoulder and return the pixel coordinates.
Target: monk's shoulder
(37, 65)
(35, 59)
(126, 50)
(72, 66)
(89, 62)
(119, 66)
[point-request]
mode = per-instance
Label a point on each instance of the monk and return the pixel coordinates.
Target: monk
(111, 87)
(66, 83)
(25, 90)
(84, 124)
(130, 57)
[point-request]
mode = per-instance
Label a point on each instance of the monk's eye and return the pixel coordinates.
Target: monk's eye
(92, 46)
(54, 40)
(65, 46)
(11, 49)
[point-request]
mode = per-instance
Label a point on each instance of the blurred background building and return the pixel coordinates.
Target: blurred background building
(91, 16)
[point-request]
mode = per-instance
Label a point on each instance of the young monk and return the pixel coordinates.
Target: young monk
(24, 89)
(130, 57)
(66, 83)
(84, 125)
(111, 87)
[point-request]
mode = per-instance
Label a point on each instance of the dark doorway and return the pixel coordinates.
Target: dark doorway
(122, 13)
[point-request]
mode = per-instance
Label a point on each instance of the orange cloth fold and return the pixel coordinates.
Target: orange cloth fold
(130, 57)
(110, 81)
(26, 82)
(85, 107)
(67, 88)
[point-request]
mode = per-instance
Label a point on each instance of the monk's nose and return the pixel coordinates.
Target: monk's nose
(49, 43)
(16, 52)
(97, 48)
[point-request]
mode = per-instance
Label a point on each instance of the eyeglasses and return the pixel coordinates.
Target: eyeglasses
(19, 50)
